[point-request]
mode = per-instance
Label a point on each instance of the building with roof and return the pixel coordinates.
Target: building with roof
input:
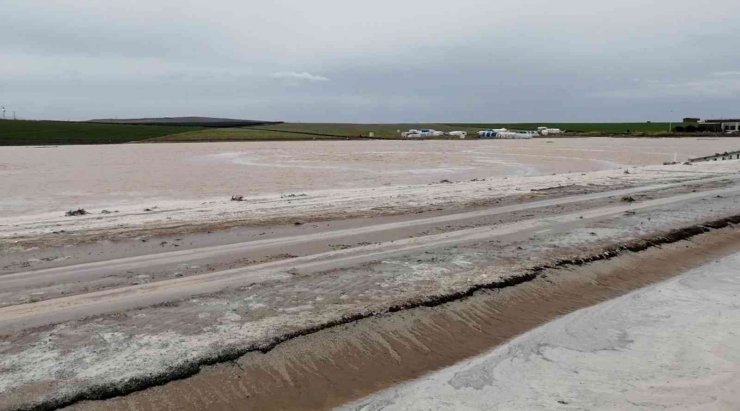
(724, 124)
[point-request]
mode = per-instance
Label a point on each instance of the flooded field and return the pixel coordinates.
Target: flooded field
(43, 179)
(164, 277)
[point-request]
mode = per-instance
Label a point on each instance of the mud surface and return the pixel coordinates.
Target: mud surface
(94, 313)
(668, 346)
(329, 367)
(19, 234)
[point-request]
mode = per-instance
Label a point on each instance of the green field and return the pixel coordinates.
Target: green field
(391, 130)
(603, 128)
(308, 131)
(24, 132)
(242, 134)
(364, 130)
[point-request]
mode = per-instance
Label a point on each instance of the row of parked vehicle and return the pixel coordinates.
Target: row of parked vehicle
(490, 133)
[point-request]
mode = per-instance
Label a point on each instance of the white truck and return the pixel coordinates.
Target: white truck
(502, 133)
(424, 132)
(461, 134)
(547, 131)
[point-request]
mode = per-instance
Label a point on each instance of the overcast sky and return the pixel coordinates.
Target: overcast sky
(371, 61)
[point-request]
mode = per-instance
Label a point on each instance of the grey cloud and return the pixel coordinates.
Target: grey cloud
(332, 60)
(300, 76)
(718, 85)
(735, 73)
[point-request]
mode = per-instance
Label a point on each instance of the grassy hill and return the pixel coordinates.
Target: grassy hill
(186, 121)
(240, 134)
(25, 132)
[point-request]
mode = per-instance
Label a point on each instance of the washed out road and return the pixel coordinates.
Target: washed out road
(54, 310)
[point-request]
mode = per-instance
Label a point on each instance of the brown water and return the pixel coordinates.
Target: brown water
(39, 179)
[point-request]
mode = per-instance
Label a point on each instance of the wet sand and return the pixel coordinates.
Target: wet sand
(330, 367)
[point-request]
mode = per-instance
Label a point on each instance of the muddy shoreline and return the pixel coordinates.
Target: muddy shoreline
(119, 319)
(583, 281)
(171, 218)
(154, 174)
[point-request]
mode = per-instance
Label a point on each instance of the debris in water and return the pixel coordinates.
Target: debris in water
(628, 199)
(73, 213)
(237, 198)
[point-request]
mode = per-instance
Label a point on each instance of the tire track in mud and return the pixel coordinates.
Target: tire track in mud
(56, 310)
(190, 369)
(86, 271)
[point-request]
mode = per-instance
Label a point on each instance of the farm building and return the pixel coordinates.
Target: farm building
(725, 125)
(692, 124)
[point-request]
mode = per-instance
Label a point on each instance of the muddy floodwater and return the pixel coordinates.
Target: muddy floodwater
(41, 179)
(445, 243)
